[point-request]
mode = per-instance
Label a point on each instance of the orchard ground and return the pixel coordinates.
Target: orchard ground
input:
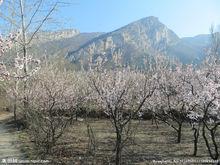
(148, 145)
(10, 146)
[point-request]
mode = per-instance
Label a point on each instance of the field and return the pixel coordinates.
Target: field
(150, 145)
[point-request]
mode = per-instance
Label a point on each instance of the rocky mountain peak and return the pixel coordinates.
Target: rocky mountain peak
(134, 42)
(151, 20)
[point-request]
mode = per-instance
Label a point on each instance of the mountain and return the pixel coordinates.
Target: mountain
(190, 49)
(133, 42)
(53, 43)
(45, 36)
(60, 42)
(137, 42)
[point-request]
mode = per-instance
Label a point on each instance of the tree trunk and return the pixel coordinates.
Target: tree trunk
(15, 109)
(76, 113)
(154, 119)
(179, 132)
(15, 104)
(215, 144)
(196, 137)
(118, 148)
(24, 51)
(216, 154)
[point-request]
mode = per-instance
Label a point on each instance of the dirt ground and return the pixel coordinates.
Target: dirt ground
(150, 145)
(9, 141)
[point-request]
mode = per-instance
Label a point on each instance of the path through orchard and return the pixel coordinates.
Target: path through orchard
(9, 146)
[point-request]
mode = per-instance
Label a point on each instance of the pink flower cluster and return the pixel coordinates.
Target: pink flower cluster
(6, 43)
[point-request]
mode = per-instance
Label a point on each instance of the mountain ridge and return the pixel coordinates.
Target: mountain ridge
(136, 41)
(141, 38)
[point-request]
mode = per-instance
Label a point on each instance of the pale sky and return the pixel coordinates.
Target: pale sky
(184, 17)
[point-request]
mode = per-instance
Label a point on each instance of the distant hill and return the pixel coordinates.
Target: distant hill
(190, 49)
(138, 41)
(135, 43)
(53, 43)
(60, 43)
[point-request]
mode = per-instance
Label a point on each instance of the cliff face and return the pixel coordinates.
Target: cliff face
(46, 36)
(133, 42)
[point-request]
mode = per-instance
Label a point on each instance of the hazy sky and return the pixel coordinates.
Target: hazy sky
(184, 17)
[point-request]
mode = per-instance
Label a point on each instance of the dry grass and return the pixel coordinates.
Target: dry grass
(148, 145)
